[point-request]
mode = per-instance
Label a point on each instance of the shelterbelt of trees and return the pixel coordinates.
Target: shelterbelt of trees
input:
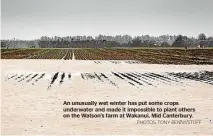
(179, 41)
(111, 41)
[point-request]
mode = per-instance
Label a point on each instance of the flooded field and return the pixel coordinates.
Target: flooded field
(33, 92)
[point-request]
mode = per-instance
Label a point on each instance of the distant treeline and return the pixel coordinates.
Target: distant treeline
(77, 44)
(180, 41)
(102, 41)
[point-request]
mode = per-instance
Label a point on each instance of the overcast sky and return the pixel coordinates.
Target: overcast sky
(29, 19)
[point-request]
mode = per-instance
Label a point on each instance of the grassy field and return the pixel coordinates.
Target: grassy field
(145, 55)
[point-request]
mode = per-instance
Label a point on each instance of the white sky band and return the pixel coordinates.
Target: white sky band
(31, 19)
